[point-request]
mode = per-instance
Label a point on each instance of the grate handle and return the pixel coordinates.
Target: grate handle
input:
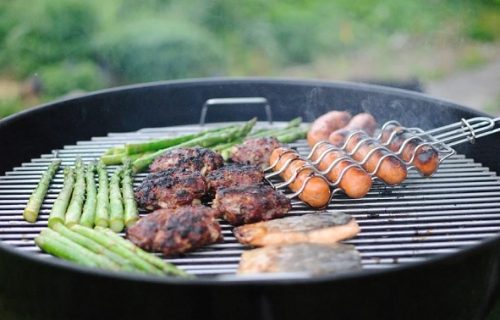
(236, 101)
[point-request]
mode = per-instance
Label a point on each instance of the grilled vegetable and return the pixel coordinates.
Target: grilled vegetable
(116, 202)
(78, 197)
(157, 144)
(60, 246)
(61, 204)
(93, 246)
(102, 206)
(112, 245)
(131, 214)
(168, 268)
(207, 140)
(35, 202)
(87, 218)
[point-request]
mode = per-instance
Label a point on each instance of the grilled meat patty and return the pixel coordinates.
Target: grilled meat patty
(255, 151)
(175, 231)
(312, 258)
(247, 204)
(234, 175)
(326, 228)
(143, 231)
(171, 188)
(194, 159)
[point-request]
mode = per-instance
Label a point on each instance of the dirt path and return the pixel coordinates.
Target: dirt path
(478, 89)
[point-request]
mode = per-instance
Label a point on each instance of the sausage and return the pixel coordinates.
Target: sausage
(392, 170)
(323, 126)
(362, 121)
(426, 159)
(316, 192)
(355, 182)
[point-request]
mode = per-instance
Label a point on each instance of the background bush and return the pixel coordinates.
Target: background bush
(157, 49)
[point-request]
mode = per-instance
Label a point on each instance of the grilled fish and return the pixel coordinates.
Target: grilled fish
(326, 228)
(312, 258)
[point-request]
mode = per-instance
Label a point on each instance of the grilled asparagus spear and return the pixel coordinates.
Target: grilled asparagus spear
(87, 218)
(93, 246)
(116, 222)
(152, 259)
(116, 248)
(58, 210)
(78, 197)
(35, 201)
(60, 246)
(207, 140)
(131, 214)
(102, 206)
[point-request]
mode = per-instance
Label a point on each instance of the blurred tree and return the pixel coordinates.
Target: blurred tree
(47, 31)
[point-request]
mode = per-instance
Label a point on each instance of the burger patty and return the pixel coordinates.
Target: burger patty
(247, 204)
(175, 231)
(171, 188)
(255, 151)
(194, 159)
(234, 175)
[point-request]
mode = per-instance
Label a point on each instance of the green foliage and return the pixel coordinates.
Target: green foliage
(156, 49)
(10, 106)
(47, 31)
(486, 27)
(59, 79)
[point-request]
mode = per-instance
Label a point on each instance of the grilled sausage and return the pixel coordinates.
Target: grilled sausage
(323, 126)
(392, 170)
(355, 182)
(426, 159)
(362, 121)
(316, 192)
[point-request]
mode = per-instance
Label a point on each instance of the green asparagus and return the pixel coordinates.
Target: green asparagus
(207, 140)
(290, 136)
(58, 211)
(157, 144)
(35, 201)
(102, 206)
(60, 246)
(131, 214)
(78, 197)
(87, 218)
(116, 248)
(116, 222)
(93, 246)
(168, 268)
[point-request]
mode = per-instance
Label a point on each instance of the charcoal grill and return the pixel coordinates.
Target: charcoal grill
(429, 247)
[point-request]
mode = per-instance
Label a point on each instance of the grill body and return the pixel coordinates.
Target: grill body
(453, 286)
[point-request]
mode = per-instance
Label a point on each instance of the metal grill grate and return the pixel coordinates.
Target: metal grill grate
(457, 207)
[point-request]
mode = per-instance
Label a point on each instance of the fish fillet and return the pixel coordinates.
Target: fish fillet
(315, 259)
(326, 228)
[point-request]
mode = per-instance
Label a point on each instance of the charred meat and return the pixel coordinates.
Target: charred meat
(327, 228)
(143, 231)
(194, 159)
(247, 204)
(256, 151)
(234, 175)
(312, 258)
(171, 188)
(175, 231)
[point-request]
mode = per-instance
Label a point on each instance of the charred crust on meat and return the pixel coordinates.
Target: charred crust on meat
(255, 151)
(194, 159)
(170, 188)
(248, 204)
